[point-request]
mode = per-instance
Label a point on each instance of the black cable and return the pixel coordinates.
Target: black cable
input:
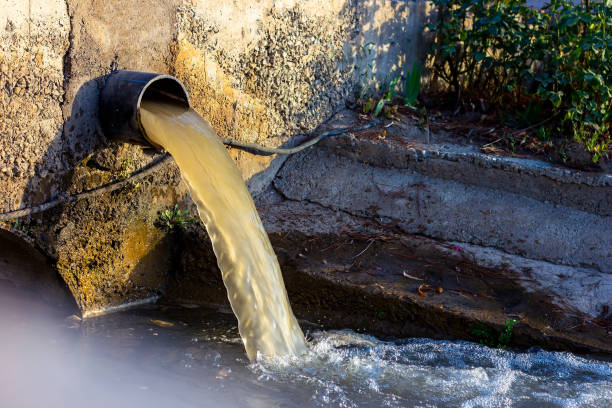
(279, 150)
(151, 167)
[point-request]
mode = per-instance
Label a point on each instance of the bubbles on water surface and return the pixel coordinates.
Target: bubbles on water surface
(198, 361)
(352, 370)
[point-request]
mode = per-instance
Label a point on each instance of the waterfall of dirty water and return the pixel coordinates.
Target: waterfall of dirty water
(245, 256)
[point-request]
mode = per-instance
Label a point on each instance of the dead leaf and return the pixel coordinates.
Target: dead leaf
(423, 287)
(161, 323)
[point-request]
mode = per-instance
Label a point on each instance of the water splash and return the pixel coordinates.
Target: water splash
(352, 370)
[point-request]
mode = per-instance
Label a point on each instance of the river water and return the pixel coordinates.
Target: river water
(190, 356)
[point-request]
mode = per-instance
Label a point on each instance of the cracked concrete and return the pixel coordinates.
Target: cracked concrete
(450, 210)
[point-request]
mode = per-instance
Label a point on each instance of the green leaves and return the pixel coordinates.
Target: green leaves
(174, 217)
(412, 86)
(387, 97)
(379, 106)
(504, 51)
(503, 341)
(490, 338)
(412, 89)
(391, 90)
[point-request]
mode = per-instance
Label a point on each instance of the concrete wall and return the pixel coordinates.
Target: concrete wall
(261, 71)
(33, 41)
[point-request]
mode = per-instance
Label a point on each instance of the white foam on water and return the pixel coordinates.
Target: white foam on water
(352, 370)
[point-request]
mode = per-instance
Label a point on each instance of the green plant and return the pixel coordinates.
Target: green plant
(574, 43)
(508, 53)
(17, 226)
(503, 340)
(174, 217)
(544, 133)
(490, 338)
(125, 169)
(484, 335)
(387, 96)
(412, 86)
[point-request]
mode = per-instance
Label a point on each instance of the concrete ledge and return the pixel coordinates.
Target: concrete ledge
(347, 271)
(405, 147)
(450, 210)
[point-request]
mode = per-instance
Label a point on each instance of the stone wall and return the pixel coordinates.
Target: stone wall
(260, 71)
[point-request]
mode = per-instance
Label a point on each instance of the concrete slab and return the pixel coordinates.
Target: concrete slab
(452, 210)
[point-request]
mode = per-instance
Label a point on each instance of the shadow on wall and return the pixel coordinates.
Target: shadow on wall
(79, 137)
(53, 178)
(24, 268)
(53, 175)
(391, 39)
(22, 265)
(106, 248)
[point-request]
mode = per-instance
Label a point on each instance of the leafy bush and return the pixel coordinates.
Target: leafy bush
(508, 53)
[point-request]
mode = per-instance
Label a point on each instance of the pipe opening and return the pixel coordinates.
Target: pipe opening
(120, 100)
(165, 86)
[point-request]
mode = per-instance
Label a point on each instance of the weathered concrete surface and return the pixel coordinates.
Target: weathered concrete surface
(109, 249)
(389, 37)
(404, 146)
(33, 41)
(474, 209)
(577, 289)
(261, 71)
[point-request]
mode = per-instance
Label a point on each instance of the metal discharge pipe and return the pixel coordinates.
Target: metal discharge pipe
(121, 97)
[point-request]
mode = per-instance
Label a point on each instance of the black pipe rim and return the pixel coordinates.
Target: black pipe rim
(120, 102)
(144, 91)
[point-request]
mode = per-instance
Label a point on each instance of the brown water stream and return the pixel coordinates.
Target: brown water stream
(247, 261)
